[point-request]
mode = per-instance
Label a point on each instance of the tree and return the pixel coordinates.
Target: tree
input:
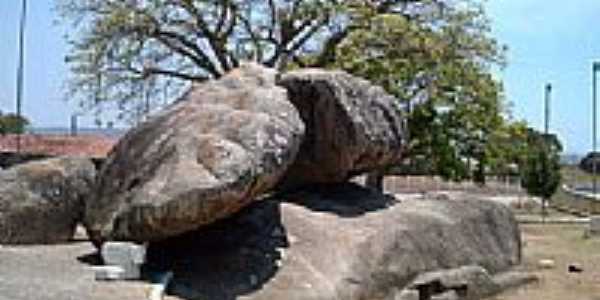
(12, 124)
(123, 51)
(541, 169)
(587, 163)
(439, 61)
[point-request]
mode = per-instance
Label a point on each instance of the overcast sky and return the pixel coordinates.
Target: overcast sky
(547, 43)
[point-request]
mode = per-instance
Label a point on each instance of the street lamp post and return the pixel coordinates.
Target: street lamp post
(548, 92)
(547, 108)
(20, 67)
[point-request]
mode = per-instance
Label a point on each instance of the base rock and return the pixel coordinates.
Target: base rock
(337, 242)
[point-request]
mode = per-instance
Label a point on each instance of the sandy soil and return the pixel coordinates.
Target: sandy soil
(565, 245)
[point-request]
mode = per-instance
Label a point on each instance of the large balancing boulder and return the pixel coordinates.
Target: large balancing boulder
(204, 158)
(41, 202)
(352, 127)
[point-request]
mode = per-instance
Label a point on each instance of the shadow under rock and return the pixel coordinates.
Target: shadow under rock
(92, 259)
(343, 199)
(222, 261)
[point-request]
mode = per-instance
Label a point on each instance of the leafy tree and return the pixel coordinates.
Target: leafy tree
(541, 169)
(507, 148)
(11, 124)
(439, 61)
(587, 163)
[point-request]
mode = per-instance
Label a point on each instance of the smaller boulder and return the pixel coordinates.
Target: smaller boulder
(41, 202)
(575, 268)
(546, 264)
(352, 127)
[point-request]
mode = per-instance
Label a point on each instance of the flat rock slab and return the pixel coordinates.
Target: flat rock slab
(204, 158)
(56, 272)
(338, 242)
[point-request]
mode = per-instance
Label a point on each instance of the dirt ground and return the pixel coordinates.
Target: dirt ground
(565, 245)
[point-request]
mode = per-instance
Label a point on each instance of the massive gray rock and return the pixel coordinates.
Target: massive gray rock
(41, 202)
(337, 242)
(204, 158)
(352, 126)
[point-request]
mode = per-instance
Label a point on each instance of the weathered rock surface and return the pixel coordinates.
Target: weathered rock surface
(339, 242)
(352, 127)
(204, 158)
(42, 201)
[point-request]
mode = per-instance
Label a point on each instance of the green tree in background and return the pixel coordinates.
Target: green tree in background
(437, 55)
(541, 168)
(439, 61)
(11, 124)
(127, 50)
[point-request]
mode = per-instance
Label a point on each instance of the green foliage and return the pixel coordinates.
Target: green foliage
(439, 62)
(541, 168)
(11, 123)
(123, 51)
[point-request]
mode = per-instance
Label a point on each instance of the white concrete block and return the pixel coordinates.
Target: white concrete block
(129, 256)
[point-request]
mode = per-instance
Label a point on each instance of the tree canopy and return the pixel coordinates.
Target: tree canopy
(440, 63)
(437, 55)
(11, 123)
(541, 169)
(122, 51)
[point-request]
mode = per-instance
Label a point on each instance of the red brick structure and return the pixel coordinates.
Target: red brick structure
(93, 146)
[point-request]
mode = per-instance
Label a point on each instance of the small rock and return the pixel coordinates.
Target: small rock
(449, 295)
(407, 295)
(253, 280)
(292, 239)
(128, 256)
(575, 268)
(108, 273)
(546, 264)
(594, 225)
(158, 289)
(277, 232)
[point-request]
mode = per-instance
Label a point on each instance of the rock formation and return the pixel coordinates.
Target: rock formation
(340, 242)
(352, 127)
(41, 202)
(208, 155)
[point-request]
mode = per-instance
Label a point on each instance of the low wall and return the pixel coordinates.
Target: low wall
(9, 159)
(581, 201)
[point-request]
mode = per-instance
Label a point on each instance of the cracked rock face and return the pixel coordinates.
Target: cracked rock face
(41, 202)
(352, 126)
(204, 158)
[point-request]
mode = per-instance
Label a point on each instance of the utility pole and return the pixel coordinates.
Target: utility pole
(20, 67)
(595, 69)
(548, 92)
(547, 108)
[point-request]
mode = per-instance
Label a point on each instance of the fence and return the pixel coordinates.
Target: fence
(577, 202)
(420, 184)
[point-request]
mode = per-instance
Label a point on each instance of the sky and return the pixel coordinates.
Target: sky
(547, 44)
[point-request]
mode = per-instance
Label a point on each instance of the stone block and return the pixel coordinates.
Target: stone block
(108, 273)
(595, 225)
(129, 256)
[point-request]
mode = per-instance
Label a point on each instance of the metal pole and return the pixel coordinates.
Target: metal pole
(594, 127)
(547, 109)
(546, 130)
(20, 67)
